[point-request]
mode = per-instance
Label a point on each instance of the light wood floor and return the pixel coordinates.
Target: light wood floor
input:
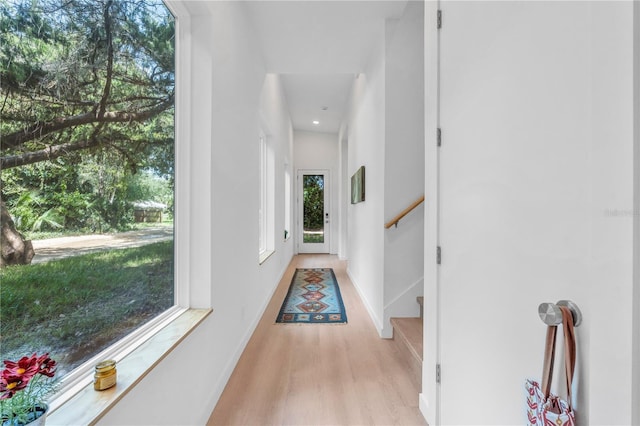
(319, 374)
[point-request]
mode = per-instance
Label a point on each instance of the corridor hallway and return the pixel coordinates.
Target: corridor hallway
(319, 374)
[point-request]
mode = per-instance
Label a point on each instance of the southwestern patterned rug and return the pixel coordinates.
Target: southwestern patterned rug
(313, 297)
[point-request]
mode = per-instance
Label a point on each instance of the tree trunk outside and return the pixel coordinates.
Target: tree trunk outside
(14, 250)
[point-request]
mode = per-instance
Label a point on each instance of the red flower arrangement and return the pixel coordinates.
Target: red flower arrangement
(24, 386)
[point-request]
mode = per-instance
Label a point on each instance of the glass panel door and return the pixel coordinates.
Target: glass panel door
(314, 220)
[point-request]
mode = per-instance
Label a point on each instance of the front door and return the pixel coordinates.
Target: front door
(313, 211)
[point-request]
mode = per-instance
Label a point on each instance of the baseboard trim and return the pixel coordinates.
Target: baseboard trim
(376, 321)
(418, 282)
(424, 409)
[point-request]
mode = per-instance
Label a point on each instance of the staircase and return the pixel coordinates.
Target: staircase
(407, 336)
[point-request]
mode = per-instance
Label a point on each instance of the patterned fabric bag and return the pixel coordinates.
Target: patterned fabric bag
(544, 408)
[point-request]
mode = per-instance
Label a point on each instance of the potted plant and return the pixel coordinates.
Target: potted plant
(24, 387)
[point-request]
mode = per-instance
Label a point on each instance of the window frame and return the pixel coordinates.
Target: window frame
(266, 214)
(262, 208)
(287, 201)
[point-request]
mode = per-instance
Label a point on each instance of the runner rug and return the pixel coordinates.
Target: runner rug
(313, 297)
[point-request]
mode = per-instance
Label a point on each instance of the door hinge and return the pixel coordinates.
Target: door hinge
(439, 255)
(438, 374)
(439, 136)
(439, 18)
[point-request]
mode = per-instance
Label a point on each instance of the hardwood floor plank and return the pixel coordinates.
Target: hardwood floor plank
(319, 374)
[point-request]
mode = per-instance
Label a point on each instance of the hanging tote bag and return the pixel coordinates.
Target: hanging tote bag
(544, 408)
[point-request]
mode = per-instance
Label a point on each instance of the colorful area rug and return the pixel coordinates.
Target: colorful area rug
(313, 297)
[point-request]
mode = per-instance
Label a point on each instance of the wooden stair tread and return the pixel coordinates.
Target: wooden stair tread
(410, 331)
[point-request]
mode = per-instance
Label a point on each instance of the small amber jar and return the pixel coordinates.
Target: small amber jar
(105, 375)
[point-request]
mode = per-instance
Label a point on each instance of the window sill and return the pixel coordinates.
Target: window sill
(87, 406)
(264, 256)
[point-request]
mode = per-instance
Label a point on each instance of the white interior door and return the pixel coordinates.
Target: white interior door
(313, 211)
(504, 204)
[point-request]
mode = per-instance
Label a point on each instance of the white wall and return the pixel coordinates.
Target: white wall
(275, 121)
(227, 84)
(320, 151)
(537, 119)
(315, 150)
(366, 130)
(404, 163)
(385, 133)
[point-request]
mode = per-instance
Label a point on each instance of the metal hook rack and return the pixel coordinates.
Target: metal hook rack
(551, 314)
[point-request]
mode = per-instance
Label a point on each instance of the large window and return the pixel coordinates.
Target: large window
(87, 159)
(262, 212)
(265, 212)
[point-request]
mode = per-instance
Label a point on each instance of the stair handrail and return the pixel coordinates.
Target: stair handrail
(404, 212)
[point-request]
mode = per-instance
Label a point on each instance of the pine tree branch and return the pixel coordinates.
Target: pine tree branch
(16, 139)
(50, 153)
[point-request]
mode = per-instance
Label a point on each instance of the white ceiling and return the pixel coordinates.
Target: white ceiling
(319, 37)
(318, 46)
(308, 94)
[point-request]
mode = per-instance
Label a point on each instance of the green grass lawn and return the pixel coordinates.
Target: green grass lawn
(76, 306)
(309, 237)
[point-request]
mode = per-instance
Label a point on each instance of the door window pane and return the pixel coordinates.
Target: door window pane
(313, 209)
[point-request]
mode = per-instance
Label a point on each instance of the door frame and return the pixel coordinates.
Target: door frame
(326, 246)
(430, 400)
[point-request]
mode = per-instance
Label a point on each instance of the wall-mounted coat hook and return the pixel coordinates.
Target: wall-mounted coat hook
(551, 314)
